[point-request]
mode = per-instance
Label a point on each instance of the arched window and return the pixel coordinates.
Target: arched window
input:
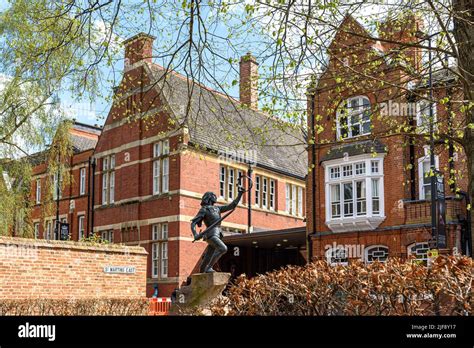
(337, 256)
(353, 117)
(376, 253)
(419, 251)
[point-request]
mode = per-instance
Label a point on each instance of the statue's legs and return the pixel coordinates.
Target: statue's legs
(219, 249)
(206, 258)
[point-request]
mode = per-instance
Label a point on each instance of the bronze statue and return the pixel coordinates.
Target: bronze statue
(211, 215)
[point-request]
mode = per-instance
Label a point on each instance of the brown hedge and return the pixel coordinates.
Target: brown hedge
(92, 306)
(391, 288)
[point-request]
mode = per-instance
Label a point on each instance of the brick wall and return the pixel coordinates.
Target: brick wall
(56, 269)
(397, 240)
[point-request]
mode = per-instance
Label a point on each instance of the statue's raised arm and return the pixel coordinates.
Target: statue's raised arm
(210, 214)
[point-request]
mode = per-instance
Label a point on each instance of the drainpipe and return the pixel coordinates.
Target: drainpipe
(58, 190)
(88, 196)
(309, 244)
(468, 222)
(411, 102)
(249, 208)
(92, 193)
(452, 176)
(434, 230)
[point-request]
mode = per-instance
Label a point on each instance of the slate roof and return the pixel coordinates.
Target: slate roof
(354, 149)
(441, 76)
(79, 143)
(217, 122)
(37, 158)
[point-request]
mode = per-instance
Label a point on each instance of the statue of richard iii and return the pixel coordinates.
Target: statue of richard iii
(211, 215)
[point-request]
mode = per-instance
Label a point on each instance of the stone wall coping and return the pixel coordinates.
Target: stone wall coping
(72, 245)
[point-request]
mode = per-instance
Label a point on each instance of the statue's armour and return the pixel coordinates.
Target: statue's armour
(209, 214)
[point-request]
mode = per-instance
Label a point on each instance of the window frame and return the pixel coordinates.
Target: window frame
(257, 190)
(423, 123)
(328, 254)
(48, 230)
(222, 181)
(36, 229)
(272, 194)
(228, 182)
(264, 197)
(81, 227)
(359, 112)
(292, 199)
(108, 179)
(107, 235)
(159, 248)
(38, 191)
(160, 167)
(82, 181)
(349, 167)
(423, 245)
(372, 247)
(421, 173)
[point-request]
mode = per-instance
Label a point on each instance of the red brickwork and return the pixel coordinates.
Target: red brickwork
(401, 225)
(58, 269)
(72, 203)
(130, 136)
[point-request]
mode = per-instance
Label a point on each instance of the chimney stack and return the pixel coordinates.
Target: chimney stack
(403, 30)
(138, 48)
(249, 81)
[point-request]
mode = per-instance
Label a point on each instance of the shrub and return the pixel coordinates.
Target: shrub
(391, 288)
(90, 306)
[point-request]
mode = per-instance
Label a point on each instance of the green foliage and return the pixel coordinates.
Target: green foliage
(94, 239)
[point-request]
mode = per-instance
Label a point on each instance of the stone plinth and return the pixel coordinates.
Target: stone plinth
(203, 289)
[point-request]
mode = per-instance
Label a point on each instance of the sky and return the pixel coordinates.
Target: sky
(95, 112)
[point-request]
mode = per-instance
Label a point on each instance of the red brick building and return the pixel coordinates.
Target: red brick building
(75, 202)
(157, 155)
(370, 193)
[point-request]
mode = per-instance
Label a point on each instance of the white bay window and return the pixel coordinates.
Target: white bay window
(354, 193)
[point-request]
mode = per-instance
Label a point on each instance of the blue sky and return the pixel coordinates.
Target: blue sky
(164, 28)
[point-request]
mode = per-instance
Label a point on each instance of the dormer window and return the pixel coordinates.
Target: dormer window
(353, 118)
